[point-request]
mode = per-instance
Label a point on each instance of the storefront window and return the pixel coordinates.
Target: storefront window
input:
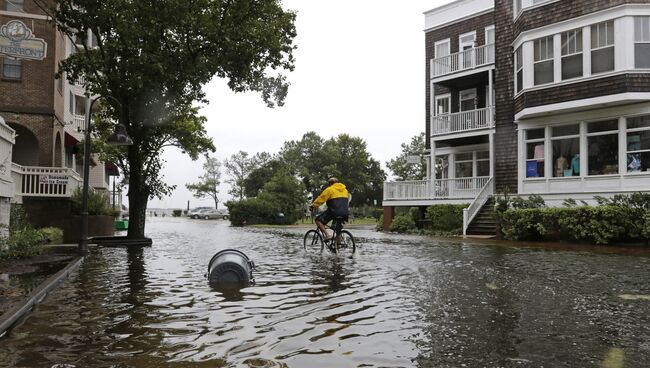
(602, 145)
(535, 153)
(638, 144)
(566, 150)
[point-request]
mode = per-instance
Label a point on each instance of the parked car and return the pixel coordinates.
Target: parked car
(211, 214)
(194, 213)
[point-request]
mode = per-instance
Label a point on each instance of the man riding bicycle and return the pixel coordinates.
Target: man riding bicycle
(336, 196)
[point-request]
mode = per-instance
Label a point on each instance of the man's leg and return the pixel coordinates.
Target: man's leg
(322, 228)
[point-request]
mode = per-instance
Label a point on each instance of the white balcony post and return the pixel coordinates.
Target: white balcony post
(491, 139)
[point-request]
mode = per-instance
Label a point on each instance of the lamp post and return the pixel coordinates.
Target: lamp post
(118, 138)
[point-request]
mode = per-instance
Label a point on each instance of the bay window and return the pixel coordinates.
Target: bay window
(602, 147)
(642, 42)
(519, 70)
(543, 60)
(565, 141)
(572, 54)
(638, 144)
(602, 47)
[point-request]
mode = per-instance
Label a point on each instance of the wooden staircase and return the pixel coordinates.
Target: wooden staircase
(484, 223)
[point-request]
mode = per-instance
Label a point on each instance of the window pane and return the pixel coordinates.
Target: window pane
(11, 69)
(520, 80)
(603, 154)
(443, 106)
(638, 141)
(638, 29)
(572, 66)
(566, 157)
(602, 60)
(565, 130)
(535, 133)
(638, 122)
(464, 169)
(642, 55)
(482, 168)
(482, 155)
(637, 162)
(14, 5)
(535, 160)
(464, 156)
(602, 126)
(544, 72)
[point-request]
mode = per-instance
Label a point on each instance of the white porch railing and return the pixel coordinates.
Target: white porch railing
(35, 181)
(464, 60)
(463, 121)
(470, 212)
(459, 188)
(78, 123)
(115, 199)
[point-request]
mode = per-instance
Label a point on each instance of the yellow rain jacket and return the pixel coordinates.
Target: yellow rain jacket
(336, 197)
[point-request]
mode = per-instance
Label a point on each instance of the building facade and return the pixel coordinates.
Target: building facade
(546, 97)
(45, 112)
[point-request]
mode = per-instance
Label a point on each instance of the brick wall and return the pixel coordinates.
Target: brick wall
(562, 10)
(505, 153)
(633, 82)
(44, 127)
(452, 32)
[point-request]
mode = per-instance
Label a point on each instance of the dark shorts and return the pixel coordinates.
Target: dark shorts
(328, 216)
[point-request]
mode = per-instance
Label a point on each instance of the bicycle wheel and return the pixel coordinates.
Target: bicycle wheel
(313, 241)
(346, 244)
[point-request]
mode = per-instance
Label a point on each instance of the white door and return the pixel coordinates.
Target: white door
(466, 49)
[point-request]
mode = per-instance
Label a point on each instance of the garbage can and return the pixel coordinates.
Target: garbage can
(230, 267)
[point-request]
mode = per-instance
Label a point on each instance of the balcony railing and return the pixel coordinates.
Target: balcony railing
(35, 181)
(464, 60)
(459, 188)
(463, 121)
(78, 123)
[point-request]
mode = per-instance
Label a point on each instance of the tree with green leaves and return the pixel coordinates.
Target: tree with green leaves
(239, 166)
(401, 168)
(208, 186)
(152, 59)
(257, 178)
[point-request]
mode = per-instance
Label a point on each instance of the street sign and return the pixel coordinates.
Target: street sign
(17, 42)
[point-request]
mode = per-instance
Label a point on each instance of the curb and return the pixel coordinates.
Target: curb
(9, 318)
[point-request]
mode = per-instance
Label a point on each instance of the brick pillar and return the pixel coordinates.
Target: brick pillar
(389, 212)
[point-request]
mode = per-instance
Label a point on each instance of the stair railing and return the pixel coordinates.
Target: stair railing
(473, 209)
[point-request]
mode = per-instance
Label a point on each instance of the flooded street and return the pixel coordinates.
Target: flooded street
(402, 301)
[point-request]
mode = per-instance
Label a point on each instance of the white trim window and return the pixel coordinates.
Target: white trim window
(638, 144)
(11, 69)
(565, 143)
(602, 47)
(464, 164)
(642, 42)
(519, 70)
(441, 59)
(467, 100)
(543, 60)
(443, 104)
(535, 147)
(602, 147)
(572, 54)
(482, 163)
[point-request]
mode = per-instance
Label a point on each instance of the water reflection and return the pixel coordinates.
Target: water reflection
(403, 301)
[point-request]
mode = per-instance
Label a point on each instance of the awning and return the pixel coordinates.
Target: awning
(70, 140)
(111, 169)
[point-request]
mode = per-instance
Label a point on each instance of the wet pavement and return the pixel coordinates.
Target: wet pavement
(402, 301)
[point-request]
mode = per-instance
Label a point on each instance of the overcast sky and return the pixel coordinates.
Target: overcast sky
(359, 70)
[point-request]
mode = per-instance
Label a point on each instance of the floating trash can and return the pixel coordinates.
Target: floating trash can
(230, 267)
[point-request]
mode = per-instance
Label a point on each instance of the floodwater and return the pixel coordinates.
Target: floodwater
(402, 301)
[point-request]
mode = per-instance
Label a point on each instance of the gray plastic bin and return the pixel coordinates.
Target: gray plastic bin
(230, 267)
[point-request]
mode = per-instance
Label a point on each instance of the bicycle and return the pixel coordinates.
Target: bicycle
(314, 239)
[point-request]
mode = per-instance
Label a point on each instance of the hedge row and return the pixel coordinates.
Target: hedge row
(440, 219)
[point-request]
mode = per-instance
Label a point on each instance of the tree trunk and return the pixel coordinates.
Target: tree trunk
(138, 195)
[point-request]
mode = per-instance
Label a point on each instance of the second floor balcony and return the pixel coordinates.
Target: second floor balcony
(463, 121)
(462, 61)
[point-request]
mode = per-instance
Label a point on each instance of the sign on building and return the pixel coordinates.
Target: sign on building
(17, 41)
(413, 159)
(53, 179)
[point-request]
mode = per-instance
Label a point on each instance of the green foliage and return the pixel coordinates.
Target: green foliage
(177, 213)
(18, 218)
(239, 167)
(533, 201)
(20, 239)
(404, 170)
(52, 235)
(98, 204)
(379, 226)
(446, 218)
(402, 224)
(619, 219)
(166, 51)
(569, 202)
(209, 181)
(256, 180)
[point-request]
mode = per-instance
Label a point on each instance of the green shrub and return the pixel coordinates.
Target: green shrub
(98, 204)
(646, 226)
(177, 213)
(380, 223)
(22, 243)
(402, 224)
(446, 218)
(52, 235)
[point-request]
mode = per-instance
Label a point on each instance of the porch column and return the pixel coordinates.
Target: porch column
(389, 212)
(433, 161)
(490, 95)
(491, 138)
